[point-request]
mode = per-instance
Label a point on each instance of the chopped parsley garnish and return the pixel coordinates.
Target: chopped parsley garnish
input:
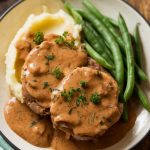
(38, 38)
(65, 34)
(71, 92)
(57, 73)
(65, 95)
(78, 90)
(70, 44)
(81, 99)
(62, 39)
(83, 84)
(95, 98)
(50, 57)
(68, 95)
(45, 85)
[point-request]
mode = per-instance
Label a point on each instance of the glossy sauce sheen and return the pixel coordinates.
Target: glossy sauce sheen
(23, 47)
(40, 133)
(111, 137)
(86, 119)
(31, 127)
(38, 70)
(38, 130)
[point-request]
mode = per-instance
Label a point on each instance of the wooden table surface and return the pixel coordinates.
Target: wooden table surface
(141, 5)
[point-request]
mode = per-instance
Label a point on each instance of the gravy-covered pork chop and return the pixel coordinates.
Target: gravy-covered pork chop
(85, 105)
(44, 68)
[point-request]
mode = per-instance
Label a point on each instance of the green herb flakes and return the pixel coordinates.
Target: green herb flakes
(60, 40)
(68, 95)
(38, 38)
(57, 73)
(70, 44)
(81, 99)
(95, 98)
(45, 85)
(63, 40)
(65, 95)
(83, 84)
(65, 34)
(50, 57)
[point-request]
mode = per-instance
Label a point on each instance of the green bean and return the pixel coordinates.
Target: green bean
(138, 71)
(79, 20)
(102, 29)
(97, 57)
(142, 97)
(112, 21)
(138, 49)
(91, 34)
(110, 53)
(96, 42)
(107, 47)
(141, 74)
(129, 58)
(101, 41)
(74, 13)
(95, 11)
(125, 112)
(100, 16)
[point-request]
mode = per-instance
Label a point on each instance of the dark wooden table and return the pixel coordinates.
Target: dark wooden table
(141, 5)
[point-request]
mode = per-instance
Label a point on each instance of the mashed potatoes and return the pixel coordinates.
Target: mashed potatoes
(47, 23)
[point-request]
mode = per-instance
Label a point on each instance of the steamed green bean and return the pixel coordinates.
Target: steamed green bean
(129, 58)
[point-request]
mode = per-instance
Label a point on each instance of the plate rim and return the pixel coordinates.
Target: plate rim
(10, 9)
(4, 14)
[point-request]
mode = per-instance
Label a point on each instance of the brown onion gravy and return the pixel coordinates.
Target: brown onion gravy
(31, 127)
(39, 132)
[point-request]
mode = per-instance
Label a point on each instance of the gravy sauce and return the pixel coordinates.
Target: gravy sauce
(111, 137)
(82, 118)
(31, 127)
(38, 76)
(38, 131)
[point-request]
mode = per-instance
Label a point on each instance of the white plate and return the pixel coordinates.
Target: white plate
(15, 19)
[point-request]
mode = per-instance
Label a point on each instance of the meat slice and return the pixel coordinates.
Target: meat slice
(44, 68)
(85, 104)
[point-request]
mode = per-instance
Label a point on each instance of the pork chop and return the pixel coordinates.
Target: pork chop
(44, 68)
(85, 104)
